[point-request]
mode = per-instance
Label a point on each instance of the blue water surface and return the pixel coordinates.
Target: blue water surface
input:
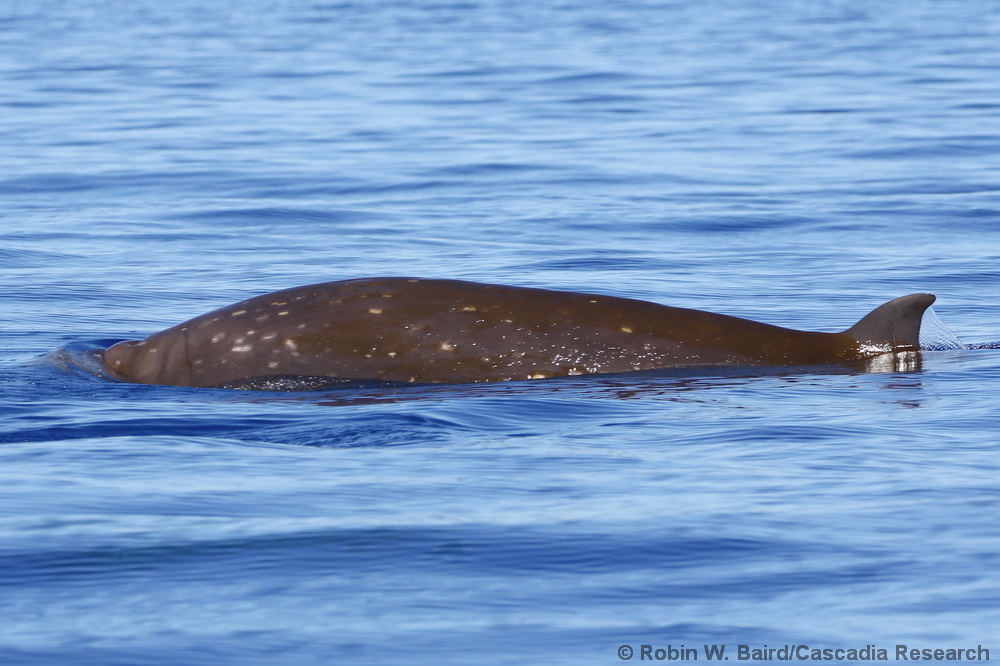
(792, 162)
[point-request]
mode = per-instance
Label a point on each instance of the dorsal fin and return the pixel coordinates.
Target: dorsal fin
(895, 324)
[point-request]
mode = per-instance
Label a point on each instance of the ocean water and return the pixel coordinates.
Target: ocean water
(792, 162)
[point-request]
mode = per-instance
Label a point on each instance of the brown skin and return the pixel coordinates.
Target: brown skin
(416, 330)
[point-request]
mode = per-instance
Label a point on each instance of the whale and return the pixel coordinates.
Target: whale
(420, 330)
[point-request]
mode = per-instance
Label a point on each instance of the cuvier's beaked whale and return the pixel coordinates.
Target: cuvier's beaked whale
(431, 331)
